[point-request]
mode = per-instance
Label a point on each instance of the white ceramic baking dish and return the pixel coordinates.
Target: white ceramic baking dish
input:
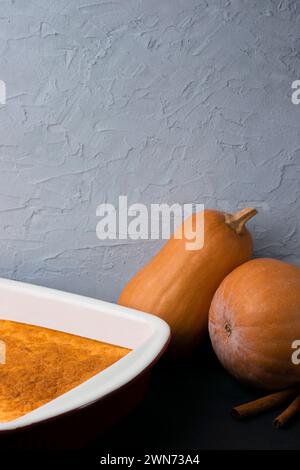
(145, 334)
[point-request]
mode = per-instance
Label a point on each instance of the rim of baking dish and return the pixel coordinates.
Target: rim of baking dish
(110, 379)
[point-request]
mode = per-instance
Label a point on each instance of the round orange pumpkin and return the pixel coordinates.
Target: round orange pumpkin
(178, 284)
(254, 319)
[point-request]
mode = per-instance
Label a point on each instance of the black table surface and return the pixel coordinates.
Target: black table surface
(187, 406)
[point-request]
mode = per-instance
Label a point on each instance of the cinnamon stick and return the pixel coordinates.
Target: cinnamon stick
(264, 404)
(292, 410)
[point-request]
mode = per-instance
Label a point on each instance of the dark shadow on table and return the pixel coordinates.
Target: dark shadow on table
(188, 405)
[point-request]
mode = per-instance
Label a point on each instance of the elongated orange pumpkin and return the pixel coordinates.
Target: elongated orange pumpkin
(178, 284)
(254, 320)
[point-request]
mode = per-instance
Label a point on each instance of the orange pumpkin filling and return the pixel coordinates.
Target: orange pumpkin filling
(38, 365)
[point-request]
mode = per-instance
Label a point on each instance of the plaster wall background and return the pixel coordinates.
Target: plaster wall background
(161, 100)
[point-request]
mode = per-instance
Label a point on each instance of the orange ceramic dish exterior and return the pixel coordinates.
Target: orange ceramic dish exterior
(178, 285)
(42, 364)
(254, 319)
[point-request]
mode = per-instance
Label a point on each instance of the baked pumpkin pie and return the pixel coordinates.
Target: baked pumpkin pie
(38, 364)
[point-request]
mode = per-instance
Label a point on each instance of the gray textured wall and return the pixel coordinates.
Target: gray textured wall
(163, 100)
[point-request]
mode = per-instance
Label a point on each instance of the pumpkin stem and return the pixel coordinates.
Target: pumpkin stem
(238, 220)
